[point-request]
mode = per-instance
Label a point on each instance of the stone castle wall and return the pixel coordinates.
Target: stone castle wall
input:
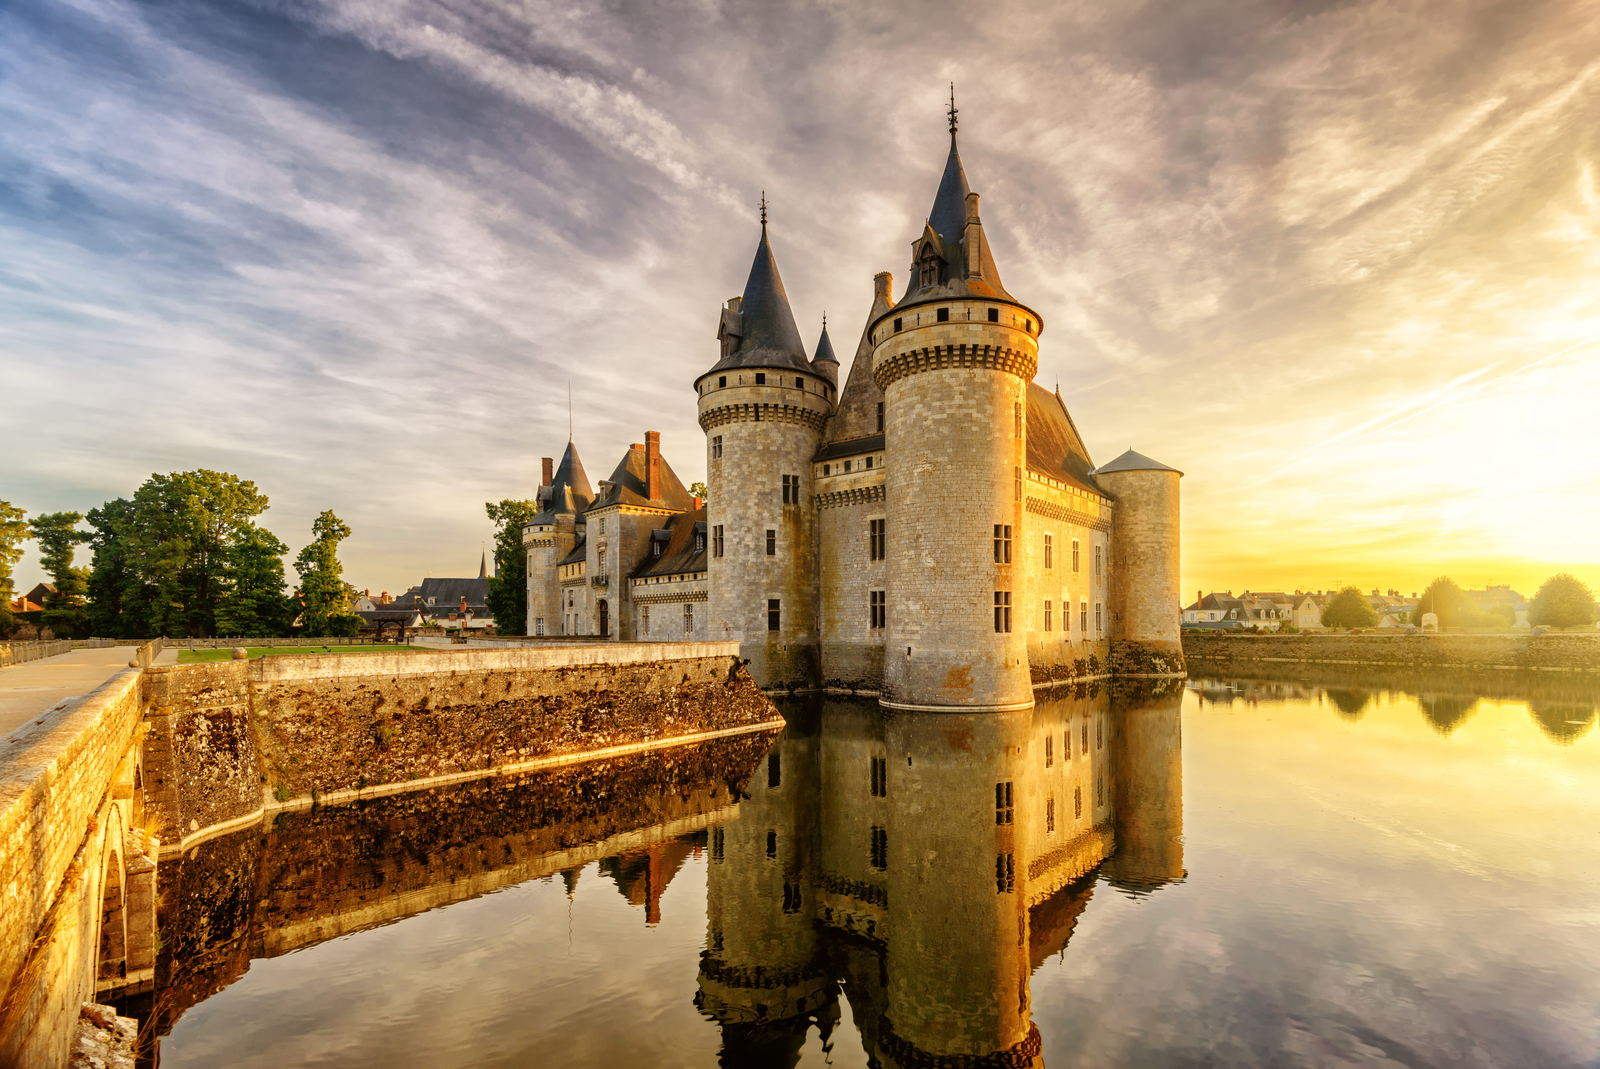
(852, 650)
(1144, 562)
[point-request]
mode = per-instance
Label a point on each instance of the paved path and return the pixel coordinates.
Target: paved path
(26, 690)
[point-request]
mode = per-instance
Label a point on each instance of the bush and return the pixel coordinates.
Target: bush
(344, 626)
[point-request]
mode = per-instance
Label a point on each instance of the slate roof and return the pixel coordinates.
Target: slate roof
(857, 411)
(628, 485)
(580, 551)
(824, 353)
(946, 229)
(446, 594)
(408, 617)
(1131, 461)
(678, 555)
(1055, 448)
(569, 492)
(763, 327)
(871, 443)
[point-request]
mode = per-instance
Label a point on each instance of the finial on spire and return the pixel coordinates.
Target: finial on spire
(763, 210)
(954, 111)
(824, 321)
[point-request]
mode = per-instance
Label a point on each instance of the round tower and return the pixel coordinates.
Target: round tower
(1146, 639)
(954, 358)
(762, 407)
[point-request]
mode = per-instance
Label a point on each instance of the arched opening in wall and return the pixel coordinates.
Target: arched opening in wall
(113, 957)
(605, 618)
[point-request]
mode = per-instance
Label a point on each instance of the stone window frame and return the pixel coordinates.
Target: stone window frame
(877, 538)
(1049, 552)
(877, 610)
(716, 447)
(1076, 551)
(1002, 612)
(1047, 614)
(716, 541)
(1002, 543)
(772, 542)
(774, 614)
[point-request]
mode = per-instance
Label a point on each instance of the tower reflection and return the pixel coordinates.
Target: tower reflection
(921, 866)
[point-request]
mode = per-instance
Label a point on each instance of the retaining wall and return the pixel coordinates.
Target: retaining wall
(1555, 652)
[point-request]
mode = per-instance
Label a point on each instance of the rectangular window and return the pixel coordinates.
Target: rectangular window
(1077, 803)
(601, 558)
(716, 540)
(994, 315)
(869, 463)
(1083, 619)
(1050, 815)
(1016, 419)
(1002, 611)
(1002, 543)
(644, 619)
(722, 382)
(827, 469)
(1002, 803)
(1074, 555)
(791, 489)
(943, 315)
(716, 448)
(1099, 569)
(538, 626)
(655, 548)
(880, 777)
(1097, 623)
(879, 610)
(1004, 873)
(761, 378)
(772, 542)
(897, 326)
(774, 770)
(800, 382)
(875, 545)
(772, 843)
(688, 621)
(1047, 616)
(1018, 486)
(880, 403)
(773, 616)
(880, 847)
(1049, 750)
(1049, 552)
(847, 465)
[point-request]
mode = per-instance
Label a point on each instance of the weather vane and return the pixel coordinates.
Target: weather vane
(953, 110)
(763, 208)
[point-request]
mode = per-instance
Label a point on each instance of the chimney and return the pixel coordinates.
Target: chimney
(1199, 596)
(652, 465)
(698, 504)
(972, 238)
(549, 469)
(883, 287)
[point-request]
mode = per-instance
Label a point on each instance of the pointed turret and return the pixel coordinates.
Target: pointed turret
(483, 565)
(951, 258)
(569, 492)
(824, 362)
(758, 328)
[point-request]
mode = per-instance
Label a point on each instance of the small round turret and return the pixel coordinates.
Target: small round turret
(1145, 602)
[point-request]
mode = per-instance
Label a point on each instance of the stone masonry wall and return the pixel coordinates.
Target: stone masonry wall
(1549, 652)
(201, 762)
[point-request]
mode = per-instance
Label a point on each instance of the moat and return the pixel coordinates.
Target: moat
(1360, 870)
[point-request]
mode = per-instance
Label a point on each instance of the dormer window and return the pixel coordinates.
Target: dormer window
(699, 543)
(655, 549)
(928, 266)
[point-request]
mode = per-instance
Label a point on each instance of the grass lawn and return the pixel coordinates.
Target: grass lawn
(226, 654)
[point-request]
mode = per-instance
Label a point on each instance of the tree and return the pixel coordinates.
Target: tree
(1562, 601)
(116, 608)
(699, 490)
(1349, 608)
(58, 536)
(256, 605)
(1445, 599)
(13, 532)
(508, 587)
(322, 587)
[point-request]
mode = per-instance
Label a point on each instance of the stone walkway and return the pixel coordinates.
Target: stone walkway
(26, 690)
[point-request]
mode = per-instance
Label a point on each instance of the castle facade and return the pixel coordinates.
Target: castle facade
(933, 531)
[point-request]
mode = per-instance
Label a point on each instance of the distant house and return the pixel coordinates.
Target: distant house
(1492, 597)
(452, 602)
(1270, 610)
(1305, 610)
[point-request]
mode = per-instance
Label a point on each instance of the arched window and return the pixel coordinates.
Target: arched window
(928, 266)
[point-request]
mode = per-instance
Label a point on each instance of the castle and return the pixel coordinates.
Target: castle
(934, 531)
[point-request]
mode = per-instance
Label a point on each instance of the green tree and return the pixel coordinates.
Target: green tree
(116, 607)
(256, 605)
(65, 610)
(1349, 608)
(1562, 601)
(1445, 599)
(508, 586)
(13, 532)
(323, 592)
(699, 490)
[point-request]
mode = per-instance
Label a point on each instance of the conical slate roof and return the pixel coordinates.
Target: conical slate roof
(963, 272)
(569, 492)
(1131, 461)
(767, 335)
(824, 353)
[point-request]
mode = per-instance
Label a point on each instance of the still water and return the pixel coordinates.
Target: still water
(1229, 873)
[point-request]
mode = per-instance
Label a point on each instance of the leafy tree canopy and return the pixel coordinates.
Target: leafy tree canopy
(1444, 598)
(508, 587)
(1563, 600)
(1349, 608)
(13, 532)
(699, 490)
(324, 594)
(58, 537)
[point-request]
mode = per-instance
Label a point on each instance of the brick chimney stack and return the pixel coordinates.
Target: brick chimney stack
(652, 465)
(549, 470)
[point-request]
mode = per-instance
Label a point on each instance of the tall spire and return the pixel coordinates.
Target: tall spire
(954, 111)
(766, 332)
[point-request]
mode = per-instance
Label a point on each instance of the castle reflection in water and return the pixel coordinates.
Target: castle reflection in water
(921, 866)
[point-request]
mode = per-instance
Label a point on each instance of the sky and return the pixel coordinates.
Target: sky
(1335, 261)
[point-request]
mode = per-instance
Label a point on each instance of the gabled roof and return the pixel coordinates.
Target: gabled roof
(1054, 447)
(946, 231)
(1131, 461)
(762, 327)
(447, 593)
(580, 551)
(627, 485)
(569, 492)
(678, 553)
